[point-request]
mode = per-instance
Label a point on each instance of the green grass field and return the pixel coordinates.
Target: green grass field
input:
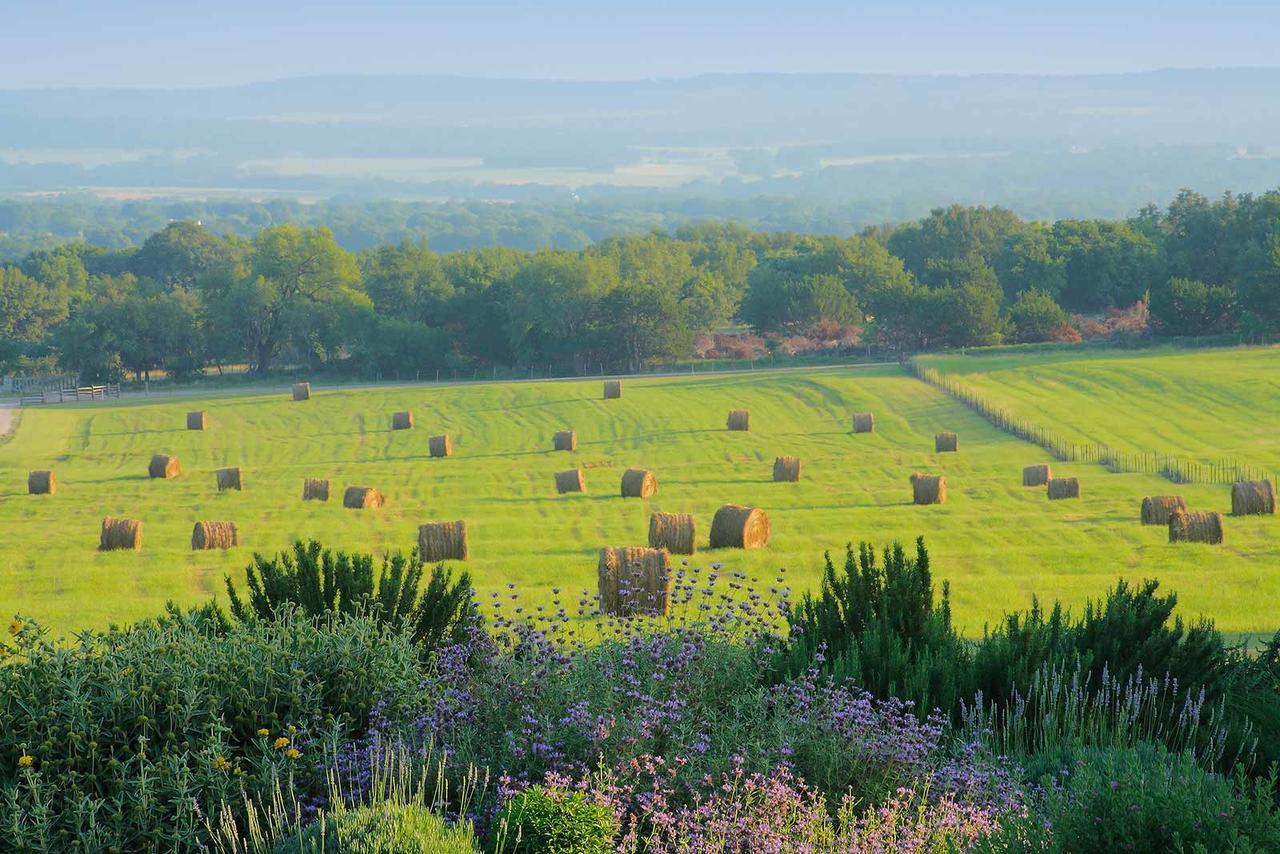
(1206, 405)
(995, 541)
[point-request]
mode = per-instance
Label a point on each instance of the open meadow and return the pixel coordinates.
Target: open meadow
(995, 541)
(1205, 405)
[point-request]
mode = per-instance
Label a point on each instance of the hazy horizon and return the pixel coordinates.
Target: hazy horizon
(144, 43)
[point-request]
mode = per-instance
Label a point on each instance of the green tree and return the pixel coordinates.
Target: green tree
(180, 254)
(1189, 307)
(289, 271)
(1034, 316)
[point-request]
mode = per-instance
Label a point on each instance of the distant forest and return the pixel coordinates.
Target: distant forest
(274, 293)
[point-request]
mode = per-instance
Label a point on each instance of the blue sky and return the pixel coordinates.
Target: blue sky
(208, 42)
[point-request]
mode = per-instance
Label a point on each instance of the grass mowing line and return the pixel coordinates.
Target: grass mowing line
(996, 541)
(1172, 467)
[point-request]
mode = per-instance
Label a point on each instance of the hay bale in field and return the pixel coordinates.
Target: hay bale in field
(163, 466)
(565, 440)
(42, 483)
(928, 488)
(1253, 498)
(315, 489)
(439, 541)
(635, 581)
(1156, 509)
(1036, 475)
(362, 498)
(120, 534)
(197, 420)
(214, 535)
(612, 389)
(1063, 487)
(570, 481)
(675, 532)
(302, 391)
(638, 483)
(739, 420)
(1195, 527)
(440, 446)
(945, 442)
(402, 421)
(786, 469)
(229, 478)
(864, 422)
(737, 527)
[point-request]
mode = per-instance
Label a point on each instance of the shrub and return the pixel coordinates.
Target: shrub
(384, 828)
(317, 581)
(880, 627)
(1146, 799)
(538, 819)
(126, 738)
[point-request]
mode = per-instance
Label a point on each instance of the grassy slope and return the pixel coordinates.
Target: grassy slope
(994, 540)
(1206, 405)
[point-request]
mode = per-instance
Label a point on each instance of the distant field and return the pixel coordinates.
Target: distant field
(1204, 404)
(995, 541)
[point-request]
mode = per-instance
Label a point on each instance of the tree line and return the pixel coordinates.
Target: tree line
(190, 300)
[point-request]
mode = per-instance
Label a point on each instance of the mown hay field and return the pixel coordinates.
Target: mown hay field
(996, 541)
(1206, 405)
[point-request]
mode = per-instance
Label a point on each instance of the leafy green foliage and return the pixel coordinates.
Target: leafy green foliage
(137, 728)
(1145, 799)
(384, 828)
(879, 626)
(537, 820)
(319, 582)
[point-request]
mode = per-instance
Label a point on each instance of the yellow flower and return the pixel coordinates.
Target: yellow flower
(220, 763)
(15, 626)
(292, 728)
(25, 761)
(264, 732)
(293, 753)
(282, 743)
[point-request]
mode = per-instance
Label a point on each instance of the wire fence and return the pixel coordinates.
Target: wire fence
(1175, 468)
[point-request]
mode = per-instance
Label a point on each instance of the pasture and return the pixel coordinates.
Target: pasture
(996, 541)
(1206, 405)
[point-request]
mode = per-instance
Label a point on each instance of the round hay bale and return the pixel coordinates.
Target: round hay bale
(1253, 498)
(1196, 527)
(196, 420)
(635, 581)
(440, 446)
(946, 443)
(229, 478)
(214, 535)
(739, 420)
(439, 541)
(362, 498)
(638, 483)
(1156, 509)
(675, 532)
(737, 527)
(928, 488)
(565, 440)
(315, 489)
(612, 389)
(163, 467)
(570, 481)
(1063, 487)
(1036, 475)
(864, 422)
(786, 469)
(120, 534)
(302, 391)
(402, 421)
(42, 483)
